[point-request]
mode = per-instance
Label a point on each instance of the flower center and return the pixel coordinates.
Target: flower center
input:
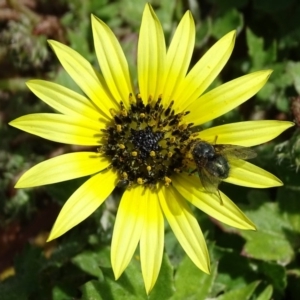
(147, 143)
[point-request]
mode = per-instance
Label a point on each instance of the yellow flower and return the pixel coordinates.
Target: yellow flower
(145, 143)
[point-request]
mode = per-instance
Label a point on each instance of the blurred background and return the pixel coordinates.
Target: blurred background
(258, 265)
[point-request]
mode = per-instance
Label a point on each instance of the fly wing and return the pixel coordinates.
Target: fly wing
(209, 182)
(234, 151)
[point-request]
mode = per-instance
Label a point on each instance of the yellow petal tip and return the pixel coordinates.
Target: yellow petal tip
(117, 275)
(280, 183)
(148, 289)
(289, 124)
(267, 72)
(94, 18)
(18, 186)
(54, 44)
(28, 82)
(50, 42)
(249, 226)
(277, 182)
(50, 238)
(206, 270)
(233, 33)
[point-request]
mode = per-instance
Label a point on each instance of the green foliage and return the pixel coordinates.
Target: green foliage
(200, 285)
(230, 20)
(259, 265)
(272, 231)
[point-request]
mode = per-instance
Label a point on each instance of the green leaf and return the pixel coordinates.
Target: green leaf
(88, 262)
(106, 11)
(62, 292)
(130, 285)
(242, 293)
(275, 89)
(231, 20)
(164, 287)
(191, 283)
(276, 275)
(266, 93)
(290, 210)
(271, 240)
(173, 248)
(293, 69)
(70, 246)
(203, 33)
(103, 257)
(230, 277)
(260, 57)
(266, 294)
(91, 290)
(281, 76)
(282, 103)
(122, 289)
(131, 11)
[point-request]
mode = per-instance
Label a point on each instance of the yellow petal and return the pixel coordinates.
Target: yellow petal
(63, 167)
(179, 56)
(112, 61)
(152, 240)
(185, 227)
(249, 133)
(128, 228)
(64, 100)
(83, 202)
(85, 76)
(226, 97)
(228, 213)
(246, 174)
(61, 128)
(204, 72)
(151, 56)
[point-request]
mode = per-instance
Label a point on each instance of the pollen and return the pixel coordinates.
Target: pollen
(140, 180)
(152, 154)
(167, 181)
(147, 143)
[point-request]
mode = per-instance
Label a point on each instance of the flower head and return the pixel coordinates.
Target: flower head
(147, 143)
